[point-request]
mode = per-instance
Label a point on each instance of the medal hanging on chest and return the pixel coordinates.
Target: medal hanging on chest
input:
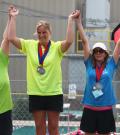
(40, 70)
(97, 88)
(41, 57)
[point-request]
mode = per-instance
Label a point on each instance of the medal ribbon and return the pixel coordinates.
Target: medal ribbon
(42, 56)
(99, 71)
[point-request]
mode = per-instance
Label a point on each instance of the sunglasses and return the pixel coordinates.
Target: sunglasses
(98, 50)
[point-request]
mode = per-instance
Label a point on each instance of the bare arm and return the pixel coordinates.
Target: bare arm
(69, 34)
(116, 51)
(12, 28)
(5, 46)
(5, 42)
(83, 37)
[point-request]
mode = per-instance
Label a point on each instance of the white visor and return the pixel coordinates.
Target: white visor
(99, 45)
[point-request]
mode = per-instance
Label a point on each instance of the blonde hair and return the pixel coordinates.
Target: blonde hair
(45, 24)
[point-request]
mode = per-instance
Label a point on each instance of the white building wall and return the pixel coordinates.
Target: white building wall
(31, 11)
(97, 10)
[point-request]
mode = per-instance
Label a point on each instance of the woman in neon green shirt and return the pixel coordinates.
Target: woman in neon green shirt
(44, 75)
(5, 96)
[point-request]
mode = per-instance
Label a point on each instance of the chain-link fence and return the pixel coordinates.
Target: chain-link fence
(23, 120)
(72, 66)
(73, 87)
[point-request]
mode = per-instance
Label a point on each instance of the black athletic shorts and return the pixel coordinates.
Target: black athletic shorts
(46, 103)
(97, 121)
(6, 123)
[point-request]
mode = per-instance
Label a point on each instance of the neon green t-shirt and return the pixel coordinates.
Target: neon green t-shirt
(5, 96)
(49, 83)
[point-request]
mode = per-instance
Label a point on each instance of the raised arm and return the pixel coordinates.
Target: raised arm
(83, 37)
(69, 34)
(5, 42)
(13, 12)
(116, 51)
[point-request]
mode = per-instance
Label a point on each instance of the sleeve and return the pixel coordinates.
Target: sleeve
(24, 44)
(112, 62)
(88, 61)
(58, 43)
(4, 57)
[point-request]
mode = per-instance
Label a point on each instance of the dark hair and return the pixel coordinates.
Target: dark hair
(94, 61)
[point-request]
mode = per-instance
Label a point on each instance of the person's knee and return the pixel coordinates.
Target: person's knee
(40, 125)
(53, 128)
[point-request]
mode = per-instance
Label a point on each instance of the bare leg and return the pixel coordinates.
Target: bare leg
(40, 122)
(53, 122)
